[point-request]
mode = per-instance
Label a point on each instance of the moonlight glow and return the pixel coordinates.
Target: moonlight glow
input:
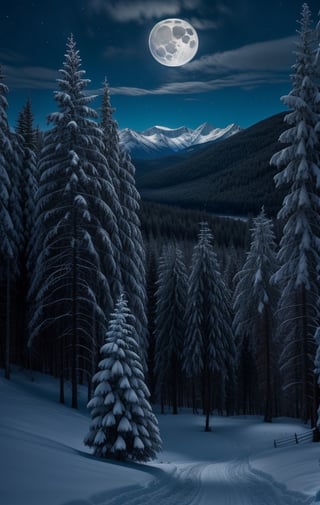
(173, 42)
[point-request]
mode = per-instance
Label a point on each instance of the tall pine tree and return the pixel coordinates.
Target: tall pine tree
(209, 350)
(299, 259)
(255, 304)
(171, 296)
(132, 258)
(28, 188)
(111, 152)
(131, 255)
(70, 288)
(10, 219)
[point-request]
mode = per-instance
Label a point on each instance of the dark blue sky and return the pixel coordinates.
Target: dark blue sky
(238, 75)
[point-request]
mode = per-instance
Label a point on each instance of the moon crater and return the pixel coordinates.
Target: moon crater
(173, 42)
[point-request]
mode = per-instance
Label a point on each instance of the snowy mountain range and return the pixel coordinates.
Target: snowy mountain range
(160, 141)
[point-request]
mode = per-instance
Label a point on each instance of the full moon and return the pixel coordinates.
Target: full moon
(173, 42)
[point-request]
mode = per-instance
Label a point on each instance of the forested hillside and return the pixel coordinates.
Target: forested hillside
(233, 176)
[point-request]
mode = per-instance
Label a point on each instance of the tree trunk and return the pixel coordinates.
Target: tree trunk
(174, 385)
(315, 402)
(304, 357)
(74, 316)
(268, 365)
(62, 370)
(207, 399)
(8, 324)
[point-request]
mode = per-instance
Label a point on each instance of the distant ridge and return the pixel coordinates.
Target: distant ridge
(232, 176)
(159, 141)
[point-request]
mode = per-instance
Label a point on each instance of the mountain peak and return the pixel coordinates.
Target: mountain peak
(164, 130)
(159, 140)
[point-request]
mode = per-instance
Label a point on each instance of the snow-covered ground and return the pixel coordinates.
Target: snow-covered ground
(44, 462)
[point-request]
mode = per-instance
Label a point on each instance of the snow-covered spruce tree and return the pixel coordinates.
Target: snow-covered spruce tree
(123, 425)
(209, 349)
(132, 258)
(29, 174)
(10, 217)
(298, 256)
(71, 292)
(132, 254)
(171, 296)
(28, 187)
(111, 152)
(254, 305)
(151, 288)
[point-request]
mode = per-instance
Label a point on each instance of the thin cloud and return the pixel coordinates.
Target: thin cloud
(224, 9)
(248, 67)
(8, 56)
(273, 55)
(30, 77)
(124, 11)
(245, 80)
(204, 24)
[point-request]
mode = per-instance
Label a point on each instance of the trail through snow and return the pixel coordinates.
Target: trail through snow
(225, 477)
(231, 483)
(44, 462)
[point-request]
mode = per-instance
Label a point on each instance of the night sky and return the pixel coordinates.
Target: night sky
(238, 75)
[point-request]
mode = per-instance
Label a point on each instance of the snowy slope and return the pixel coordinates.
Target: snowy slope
(43, 460)
(160, 140)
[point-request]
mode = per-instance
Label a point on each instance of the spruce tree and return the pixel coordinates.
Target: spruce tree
(28, 187)
(123, 425)
(171, 296)
(151, 288)
(111, 148)
(255, 304)
(209, 349)
(130, 246)
(70, 289)
(132, 258)
(10, 217)
(298, 256)
(29, 174)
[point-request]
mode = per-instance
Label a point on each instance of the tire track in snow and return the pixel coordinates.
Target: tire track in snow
(182, 486)
(234, 483)
(221, 483)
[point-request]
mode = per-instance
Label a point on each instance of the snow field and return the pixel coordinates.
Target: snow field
(44, 462)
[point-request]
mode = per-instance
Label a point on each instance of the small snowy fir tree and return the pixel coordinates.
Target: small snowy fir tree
(255, 303)
(171, 296)
(209, 348)
(299, 254)
(123, 425)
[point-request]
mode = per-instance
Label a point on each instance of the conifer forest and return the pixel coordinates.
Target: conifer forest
(143, 303)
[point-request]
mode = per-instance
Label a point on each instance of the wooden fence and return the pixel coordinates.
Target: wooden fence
(297, 438)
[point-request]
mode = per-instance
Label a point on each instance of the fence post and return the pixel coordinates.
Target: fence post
(316, 435)
(296, 437)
